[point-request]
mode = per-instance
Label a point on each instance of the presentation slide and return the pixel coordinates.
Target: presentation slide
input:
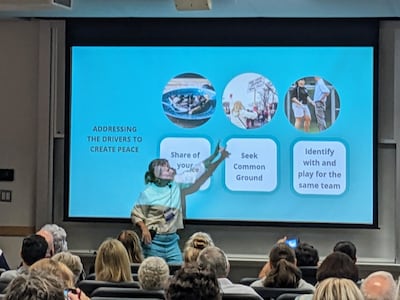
(298, 122)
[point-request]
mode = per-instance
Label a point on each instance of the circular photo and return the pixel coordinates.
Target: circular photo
(188, 100)
(250, 100)
(312, 104)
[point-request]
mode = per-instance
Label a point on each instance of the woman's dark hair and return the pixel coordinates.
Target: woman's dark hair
(193, 283)
(296, 83)
(149, 176)
(339, 265)
(306, 255)
(284, 273)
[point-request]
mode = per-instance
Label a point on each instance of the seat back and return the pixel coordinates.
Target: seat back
(135, 268)
(309, 274)
(91, 276)
(88, 286)
(119, 298)
(247, 280)
(240, 296)
(127, 293)
(288, 296)
(268, 293)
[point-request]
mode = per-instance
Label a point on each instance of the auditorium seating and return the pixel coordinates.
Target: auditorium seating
(288, 296)
(88, 286)
(240, 297)
(118, 298)
(248, 280)
(126, 293)
(268, 293)
(92, 276)
(135, 268)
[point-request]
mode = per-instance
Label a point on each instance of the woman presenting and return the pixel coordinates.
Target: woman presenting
(158, 210)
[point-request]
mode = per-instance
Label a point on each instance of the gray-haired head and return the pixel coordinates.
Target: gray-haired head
(59, 237)
(153, 273)
(215, 259)
(34, 285)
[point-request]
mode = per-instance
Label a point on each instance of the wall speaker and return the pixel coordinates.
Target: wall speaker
(193, 4)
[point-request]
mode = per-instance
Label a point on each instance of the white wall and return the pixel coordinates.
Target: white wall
(31, 53)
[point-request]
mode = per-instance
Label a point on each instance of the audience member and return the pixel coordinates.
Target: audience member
(284, 273)
(57, 269)
(131, 241)
(339, 265)
(34, 247)
(35, 286)
(196, 242)
(306, 255)
(379, 285)
(215, 259)
(337, 289)
(50, 241)
(193, 283)
(346, 247)
(59, 237)
(153, 273)
(72, 261)
(112, 262)
(266, 268)
(3, 262)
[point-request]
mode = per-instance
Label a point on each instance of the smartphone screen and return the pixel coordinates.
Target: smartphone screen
(292, 242)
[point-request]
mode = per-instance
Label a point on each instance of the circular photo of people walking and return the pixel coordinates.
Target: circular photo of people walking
(189, 100)
(312, 104)
(250, 101)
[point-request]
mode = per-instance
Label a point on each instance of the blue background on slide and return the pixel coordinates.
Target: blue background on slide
(123, 86)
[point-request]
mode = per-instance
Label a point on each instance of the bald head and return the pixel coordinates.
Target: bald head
(50, 241)
(379, 286)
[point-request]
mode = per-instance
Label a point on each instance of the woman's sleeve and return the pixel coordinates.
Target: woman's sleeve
(139, 211)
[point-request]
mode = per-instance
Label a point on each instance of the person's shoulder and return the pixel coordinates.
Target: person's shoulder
(304, 297)
(257, 283)
(305, 285)
(237, 288)
(244, 288)
(8, 275)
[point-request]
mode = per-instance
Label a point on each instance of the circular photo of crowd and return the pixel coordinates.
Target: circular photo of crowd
(250, 101)
(188, 100)
(312, 104)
